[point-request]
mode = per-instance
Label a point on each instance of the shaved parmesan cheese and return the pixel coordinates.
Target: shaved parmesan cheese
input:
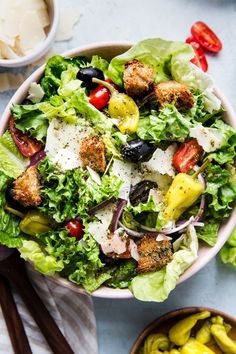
(210, 139)
(115, 243)
(94, 175)
(161, 161)
(162, 237)
(68, 18)
(10, 81)
(22, 31)
(133, 250)
(63, 143)
(36, 92)
(123, 170)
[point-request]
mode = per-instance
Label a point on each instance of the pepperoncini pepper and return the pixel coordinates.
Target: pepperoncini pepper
(35, 222)
(183, 192)
(156, 343)
(203, 335)
(122, 108)
(194, 347)
(180, 332)
(226, 344)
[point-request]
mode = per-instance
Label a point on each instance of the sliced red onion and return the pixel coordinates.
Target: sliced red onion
(117, 213)
(178, 228)
(101, 205)
(146, 99)
(34, 161)
(130, 232)
(202, 207)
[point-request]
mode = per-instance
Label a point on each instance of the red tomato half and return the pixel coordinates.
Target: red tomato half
(187, 156)
(28, 146)
(100, 96)
(200, 58)
(75, 228)
(206, 37)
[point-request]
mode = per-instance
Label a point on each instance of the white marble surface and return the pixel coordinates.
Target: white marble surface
(119, 322)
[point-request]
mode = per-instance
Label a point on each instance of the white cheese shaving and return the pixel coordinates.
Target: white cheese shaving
(123, 170)
(115, 243)
(63, 143)
(161, 161)
(133, 250)
(162, 237)
(36, 92)
(94, 175)
(210, 139)
(69, 16)
(10, 81)
(22, 31)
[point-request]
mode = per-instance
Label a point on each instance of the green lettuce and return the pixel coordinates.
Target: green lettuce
(227, 151)
(156, 286)
(170, 60)
(166, 125)
(228, 252)
(31, 251)
(12, 162)
(51, 80)
(220, 191)
(67, 195)
(122, 273)
(31, 120)
(209, 232)
(81, 262)
(10, 234)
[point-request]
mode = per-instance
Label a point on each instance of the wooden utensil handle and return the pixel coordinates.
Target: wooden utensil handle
(45, 322)
(13, 321)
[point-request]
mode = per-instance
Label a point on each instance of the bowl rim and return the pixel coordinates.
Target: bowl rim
(171, 315)
(40, 50)
(225, 229)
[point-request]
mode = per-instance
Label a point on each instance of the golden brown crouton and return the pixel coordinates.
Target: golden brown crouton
(153, 254)
(172, 91)
(138, 78)
(92, 153)
(27, 188)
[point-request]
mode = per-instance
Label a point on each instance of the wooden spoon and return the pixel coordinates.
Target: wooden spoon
(13, 268)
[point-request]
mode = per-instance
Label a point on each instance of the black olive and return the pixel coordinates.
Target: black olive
(140, 192)
(12, 202)
(87, 74)
(137, 151)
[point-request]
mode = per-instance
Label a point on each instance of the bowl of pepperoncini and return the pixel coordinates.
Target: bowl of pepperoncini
(191, 330)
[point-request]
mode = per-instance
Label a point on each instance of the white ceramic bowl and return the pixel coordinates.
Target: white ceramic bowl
(43, 48)
(206, 253)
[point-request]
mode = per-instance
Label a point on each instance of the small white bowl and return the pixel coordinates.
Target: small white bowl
(43, 48)
(206, 253)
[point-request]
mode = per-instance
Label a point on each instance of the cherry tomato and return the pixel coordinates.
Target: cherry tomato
(200, 58)
(206, 37)
(186, 157)
(100, 96)
(75, 228)
(28, 146)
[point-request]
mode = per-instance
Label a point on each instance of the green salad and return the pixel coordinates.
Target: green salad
(111, 173)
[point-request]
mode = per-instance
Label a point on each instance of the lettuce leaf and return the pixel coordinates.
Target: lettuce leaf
(220, 191)
(12, 162)
(122, 273)
(10, 234)
(48, 265)
(209, 232)
(31, 120)
(169, 60)
(68, 195)
(166, 125)
(156, 286)
(228, 252)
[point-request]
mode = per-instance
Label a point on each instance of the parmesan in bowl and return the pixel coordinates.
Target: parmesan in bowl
(27, 30)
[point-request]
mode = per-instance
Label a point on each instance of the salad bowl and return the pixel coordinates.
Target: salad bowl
(108, 51)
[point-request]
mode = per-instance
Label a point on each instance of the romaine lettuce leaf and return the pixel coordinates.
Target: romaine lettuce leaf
(10, 234)
(220, 191)
(156, 286)
(68, 195)
(228, 252)
(168, 125)
(209, 232)
(12, 162)
(46, 264)
(31, 120)
(122, 273)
